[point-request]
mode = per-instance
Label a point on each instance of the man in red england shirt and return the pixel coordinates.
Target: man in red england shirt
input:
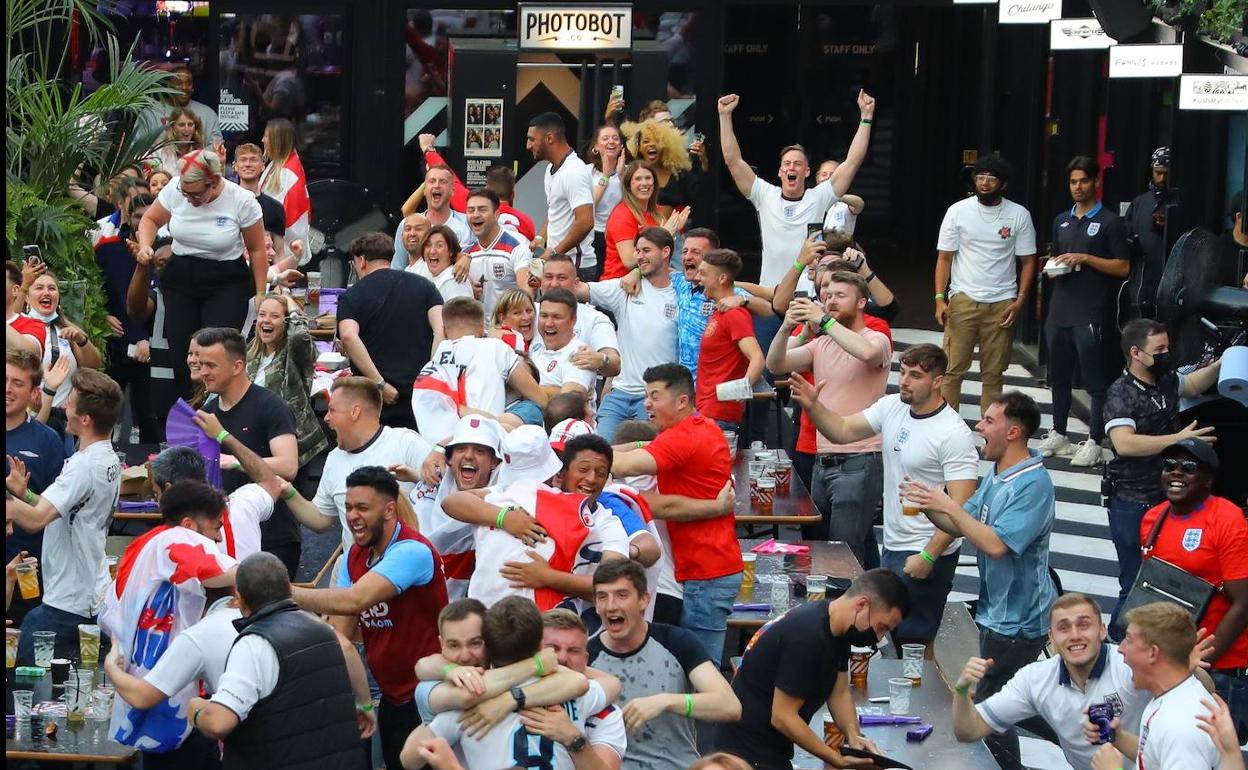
(690, 458)
(730, 354)
(1208, 537)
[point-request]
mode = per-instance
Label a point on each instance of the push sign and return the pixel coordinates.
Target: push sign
(576, 27)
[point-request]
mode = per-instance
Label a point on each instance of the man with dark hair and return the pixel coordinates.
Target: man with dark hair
(512, 629)
(690, 458)
(1142, 419)
(389, 322)
(569, 227)
(390, 584)
(978, 296)
(668, 680)
(923, 439)
(500, 258)
(566, 406)
(73, 514)
(552, 353)
(182, 82)
(647, 326)
(799, 662)
(259, 419)
(285, 698)
(601, 350)
(729, 355)
(1092, 260)
(502, 180)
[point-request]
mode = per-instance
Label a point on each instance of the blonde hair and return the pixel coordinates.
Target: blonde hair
(509, 301)
(722, 759)
(256, 349)
(200, 166)
(198, 139)
(281, 146)
(563, 619)
(672, 153)
(634, 204)
(1168, 626)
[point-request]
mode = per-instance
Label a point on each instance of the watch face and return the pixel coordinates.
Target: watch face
(577, 743)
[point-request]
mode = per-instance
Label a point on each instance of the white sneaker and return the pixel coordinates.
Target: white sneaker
(1087, 455)
(1054, 444)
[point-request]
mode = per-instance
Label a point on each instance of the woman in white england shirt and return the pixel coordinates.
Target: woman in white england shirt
(438, 251)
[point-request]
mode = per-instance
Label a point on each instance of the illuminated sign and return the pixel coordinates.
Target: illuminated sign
(1029, 11)
(1145, 61)
(1077, 34)
(576, 27)
(1214, 92)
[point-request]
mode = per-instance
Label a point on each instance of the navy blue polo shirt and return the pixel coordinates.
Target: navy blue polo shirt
(1086, 295)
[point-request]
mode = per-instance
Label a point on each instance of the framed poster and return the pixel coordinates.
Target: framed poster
(483, 128)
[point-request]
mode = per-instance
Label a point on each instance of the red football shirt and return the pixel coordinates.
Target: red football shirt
(693, 461)
(721, 360)
(1212, 543)
(621, 226)
(33, 326)
(806, 430)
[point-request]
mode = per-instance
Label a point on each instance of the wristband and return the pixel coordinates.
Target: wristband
(502, 514)
(960, 689)
(603, 180)
(865, 121)
(30, 497)
(798, 266)
(639, 444)
(636, 270)
(941, 296)
(541, 667)
(870, 277)
(801, 336)
(448, 668)
(827, 325)
(439, 449)
(46, 391)
(927, 557)
(688, 706)
(364, 708)
(222, 436)
(195, 717)
(290, 493)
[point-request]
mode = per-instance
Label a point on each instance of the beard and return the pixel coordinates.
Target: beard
(989, 199)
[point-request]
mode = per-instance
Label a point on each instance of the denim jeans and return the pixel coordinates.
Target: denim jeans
(528, 412)
(1084, 344)
(707, 605)
(847, 493)
(1234, 690)
(63, 624)
(1124, 529)
(620, 407)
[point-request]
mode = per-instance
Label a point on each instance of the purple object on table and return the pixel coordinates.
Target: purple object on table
(324, 346)
(329, 301)
(181, 430)
(138, 506)
(867, 720)
(751, 608)
(918, 734)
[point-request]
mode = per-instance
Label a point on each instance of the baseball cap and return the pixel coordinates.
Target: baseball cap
(527, 456)
(1202, 451)
(475, 429)
(566, 430)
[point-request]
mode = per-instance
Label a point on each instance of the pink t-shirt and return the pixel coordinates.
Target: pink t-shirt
(852, 384)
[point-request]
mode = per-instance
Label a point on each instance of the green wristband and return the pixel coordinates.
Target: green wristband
(798, 266)
(290, 493)
(941, 296)
(448, 668)
(688, 706)
(639, 444)
(927, 557)
(865, 121)
(541, 667)
(827, 326)
(195, 717)
(30, 497)
(502, 514)
(364, 708)
(222, 436)
(960, 689)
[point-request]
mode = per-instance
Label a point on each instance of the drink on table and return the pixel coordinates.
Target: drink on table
(899, 696)
(859, 666)
(749, 562)
(89, 645)
(45, 648)
(78, 693)
(764, 495)
(816, 588)
(11, 637)
(912, 662)
(314, 288)
(731, 438)
(832, 735)
(101, 707)
(784, 476)
(28, 578)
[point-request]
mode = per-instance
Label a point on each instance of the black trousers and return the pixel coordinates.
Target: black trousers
(125, 371)
(394, 724)
(200, 293)
(197, 752)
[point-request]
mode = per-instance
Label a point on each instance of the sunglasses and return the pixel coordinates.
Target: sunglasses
(1189, 467)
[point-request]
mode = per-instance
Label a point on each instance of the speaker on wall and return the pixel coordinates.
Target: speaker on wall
(1127, 21)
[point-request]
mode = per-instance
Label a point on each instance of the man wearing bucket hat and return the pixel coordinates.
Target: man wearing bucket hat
(567, 430)
(473, 457)
(525, 517)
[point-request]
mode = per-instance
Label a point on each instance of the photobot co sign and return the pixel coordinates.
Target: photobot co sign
(576, 27)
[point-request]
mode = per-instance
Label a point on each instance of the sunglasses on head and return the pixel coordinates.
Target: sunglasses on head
(1187, 466)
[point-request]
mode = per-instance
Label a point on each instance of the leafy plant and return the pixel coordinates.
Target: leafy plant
(53, 130)
(1224, 19)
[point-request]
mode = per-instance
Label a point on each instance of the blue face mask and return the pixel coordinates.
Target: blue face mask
(47, 319)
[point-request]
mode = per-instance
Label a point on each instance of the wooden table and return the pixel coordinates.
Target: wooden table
(833, 559)
(87, 742)
(794, 508)
(933, 702)
(322, 334)
(121, 519)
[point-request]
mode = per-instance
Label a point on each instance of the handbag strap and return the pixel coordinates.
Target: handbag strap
(1152, 535)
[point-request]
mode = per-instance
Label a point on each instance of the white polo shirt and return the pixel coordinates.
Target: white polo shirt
(647, 328)
(1044, 689)
(556, 368)
(199, 652)
(987, 240)
(567, 189)
(1170, 738)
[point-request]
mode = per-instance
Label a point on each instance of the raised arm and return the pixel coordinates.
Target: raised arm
(741, 172)
(844, 174)
(838, 429)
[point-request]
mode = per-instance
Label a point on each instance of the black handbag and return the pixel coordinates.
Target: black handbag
(1160, 581)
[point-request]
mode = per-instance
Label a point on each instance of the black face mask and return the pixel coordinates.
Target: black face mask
(1161, 364)
(862, 638)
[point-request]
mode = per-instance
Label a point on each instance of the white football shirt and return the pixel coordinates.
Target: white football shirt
(987, 240)
(782, 224)
(647, 329)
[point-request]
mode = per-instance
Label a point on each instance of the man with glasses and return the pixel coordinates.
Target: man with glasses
(799, 662)
(978, 295)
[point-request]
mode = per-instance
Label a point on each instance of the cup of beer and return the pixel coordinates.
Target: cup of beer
(816, 588)
(111, 561)
(764, 495)
(912, 662)
(909, 507)
(784, 476)
(832, 735)
(749, 565)
(314, 288)
(89, 645)
(28, 578)
(859, 665)
(11, 637)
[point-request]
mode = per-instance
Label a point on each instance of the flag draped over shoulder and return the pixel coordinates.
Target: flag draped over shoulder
(297, 204)
(158, 593)
(437, 396)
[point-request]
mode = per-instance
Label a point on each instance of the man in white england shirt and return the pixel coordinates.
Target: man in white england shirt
(439, 184)
(978, 297)
(73, 513)
(569, 227)
(601, 353)
(552, 354)
(500, 258)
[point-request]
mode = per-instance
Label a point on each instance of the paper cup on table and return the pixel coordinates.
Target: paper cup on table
(899, 696)
(832, 735)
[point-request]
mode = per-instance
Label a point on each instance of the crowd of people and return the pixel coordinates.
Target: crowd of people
(529, 465)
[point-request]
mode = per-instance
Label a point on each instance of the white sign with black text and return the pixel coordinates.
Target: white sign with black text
(1077, 35)
(1145, 61)
(1029, 11)
(1214, 92)
(576, 27)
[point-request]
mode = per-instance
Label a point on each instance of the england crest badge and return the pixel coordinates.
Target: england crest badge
(1191, 539)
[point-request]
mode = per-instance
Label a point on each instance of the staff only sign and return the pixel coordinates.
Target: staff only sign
(576, 27)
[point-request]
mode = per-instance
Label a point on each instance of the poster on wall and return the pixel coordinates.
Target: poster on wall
(483, 128)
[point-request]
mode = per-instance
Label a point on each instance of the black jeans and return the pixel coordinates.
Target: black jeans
(125, 371)
(1068, 344)
(200, 293)
(197, 752)
(394, 724)
(1008, 654)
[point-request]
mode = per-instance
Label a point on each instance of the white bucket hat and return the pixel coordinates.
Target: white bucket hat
(475, 429)
(527, 456)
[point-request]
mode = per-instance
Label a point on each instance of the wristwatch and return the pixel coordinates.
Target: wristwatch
(578, 744)
(518, 694)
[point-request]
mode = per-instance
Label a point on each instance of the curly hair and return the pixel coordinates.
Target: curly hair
(672, 153)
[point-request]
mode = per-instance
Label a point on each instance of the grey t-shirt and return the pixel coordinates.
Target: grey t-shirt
(661, 664)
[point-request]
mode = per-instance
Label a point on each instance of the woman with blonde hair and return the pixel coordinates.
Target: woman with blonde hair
(285, 180)
(282, 358)
(184, 132)
(207, 282)
(66, 348)
(663, 146)
(513, 320)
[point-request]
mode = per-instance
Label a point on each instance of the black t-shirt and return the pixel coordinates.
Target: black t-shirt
(1149, 255)
(257, 418)
(1085, 294)
(797, 654)
(272, 214)
(1152, 410)
(392, 309)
